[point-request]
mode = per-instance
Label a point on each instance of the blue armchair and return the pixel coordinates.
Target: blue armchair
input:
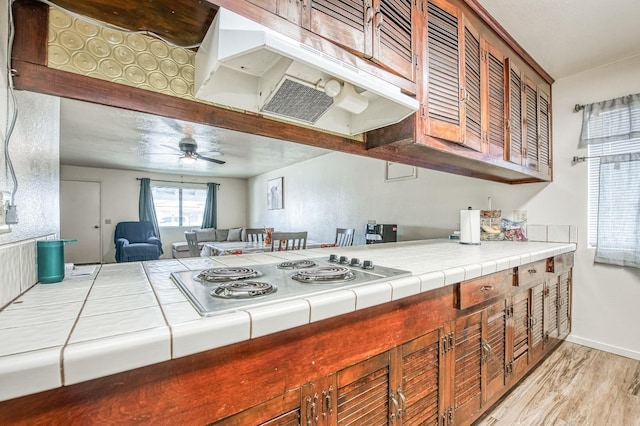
(136, 241)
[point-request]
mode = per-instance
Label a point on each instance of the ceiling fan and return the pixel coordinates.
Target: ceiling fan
(188, 147)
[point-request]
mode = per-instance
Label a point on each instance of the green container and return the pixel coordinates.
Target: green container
(51, 260)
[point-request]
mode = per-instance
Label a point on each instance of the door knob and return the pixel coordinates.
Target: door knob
(97, 226)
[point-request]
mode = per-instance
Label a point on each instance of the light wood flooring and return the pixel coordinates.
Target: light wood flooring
(575, 385)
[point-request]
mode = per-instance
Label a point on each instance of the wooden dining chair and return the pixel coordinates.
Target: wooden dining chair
(281, 241)
(344, 237)
(192, 241)
(256, 235)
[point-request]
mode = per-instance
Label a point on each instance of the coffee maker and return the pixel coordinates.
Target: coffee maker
(381, 233)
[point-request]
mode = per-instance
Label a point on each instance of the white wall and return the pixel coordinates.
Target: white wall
(605, 311)
(340, 190)
(33, 150)
(345, 191)
(119, 202)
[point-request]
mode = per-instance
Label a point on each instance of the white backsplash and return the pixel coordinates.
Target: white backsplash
(18, 268)
(553, 233)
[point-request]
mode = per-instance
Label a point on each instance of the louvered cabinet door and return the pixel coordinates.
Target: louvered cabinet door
(443, 82)
(494, 349)
(551, 312)
(494, 112)
(392, 36)
(536, 322)
(471, 112)
(345, 22)
(530, 128)
(521, 336)
(515, 114)
(564, 304)
(283, 410)
(468, 355)
(363, 392)
(544, 133)
(422, 372)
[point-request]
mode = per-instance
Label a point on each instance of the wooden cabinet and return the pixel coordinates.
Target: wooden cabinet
(441, 110)
(380, 30)
(401, 386)
(465, 85)
(479, 374)
(529, 124)
(484, 110)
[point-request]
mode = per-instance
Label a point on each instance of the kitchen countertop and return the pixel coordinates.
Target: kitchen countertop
(128, 315)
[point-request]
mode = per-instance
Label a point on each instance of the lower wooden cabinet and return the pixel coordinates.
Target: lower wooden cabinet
(399, 387)
(503, 324)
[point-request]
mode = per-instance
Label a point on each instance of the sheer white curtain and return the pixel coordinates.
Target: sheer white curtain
(616, 122)
(618, 240)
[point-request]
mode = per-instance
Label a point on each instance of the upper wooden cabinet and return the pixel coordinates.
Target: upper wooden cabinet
(379, 30)
(485, 109)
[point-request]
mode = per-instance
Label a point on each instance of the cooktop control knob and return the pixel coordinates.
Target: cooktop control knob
(333, 258)
(367, 264)
(355, 262)
(344, 259)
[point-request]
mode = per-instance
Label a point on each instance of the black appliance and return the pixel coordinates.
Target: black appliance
(381, 233)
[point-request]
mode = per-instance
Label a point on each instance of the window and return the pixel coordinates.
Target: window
(178, 206)
(594, 152)
(611, 131)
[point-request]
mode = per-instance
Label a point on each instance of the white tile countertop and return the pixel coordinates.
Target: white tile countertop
(129, 315)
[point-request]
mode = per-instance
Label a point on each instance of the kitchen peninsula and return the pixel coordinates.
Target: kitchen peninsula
(125, 345)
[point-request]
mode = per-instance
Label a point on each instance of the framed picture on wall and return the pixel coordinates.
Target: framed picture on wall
(275, 194)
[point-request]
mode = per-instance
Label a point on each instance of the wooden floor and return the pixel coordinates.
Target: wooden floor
(576, 385)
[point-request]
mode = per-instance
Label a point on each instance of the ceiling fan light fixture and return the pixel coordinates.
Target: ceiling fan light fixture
(188, 158)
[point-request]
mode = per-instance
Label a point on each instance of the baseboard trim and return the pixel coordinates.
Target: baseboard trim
(604, 347)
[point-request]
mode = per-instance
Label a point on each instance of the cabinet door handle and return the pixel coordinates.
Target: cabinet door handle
(369, 14)
(394, 401)
(532, 271)
(327, 400)
(379, 19)
(403, 401)
(308, 411)
(486, 351)
(486, 288)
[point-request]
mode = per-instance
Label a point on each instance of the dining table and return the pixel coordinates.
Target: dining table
(224, 248)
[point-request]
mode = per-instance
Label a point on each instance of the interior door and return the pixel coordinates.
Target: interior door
(80, 219)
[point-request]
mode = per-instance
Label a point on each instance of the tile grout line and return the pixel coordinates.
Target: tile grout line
(75, 323)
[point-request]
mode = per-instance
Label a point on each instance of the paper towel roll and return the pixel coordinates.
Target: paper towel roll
(469, 226)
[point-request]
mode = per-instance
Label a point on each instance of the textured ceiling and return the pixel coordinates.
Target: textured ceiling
(569, 36)
(93, 135)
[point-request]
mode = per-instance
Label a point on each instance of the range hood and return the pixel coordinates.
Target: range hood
(244, 65)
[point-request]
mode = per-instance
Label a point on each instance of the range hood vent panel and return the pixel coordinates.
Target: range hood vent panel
(245, 65)
(298, 101)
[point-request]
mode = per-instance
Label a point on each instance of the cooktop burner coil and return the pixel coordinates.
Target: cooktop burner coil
(226, 274)
(324, 274)
(297, 264)
(243, 289)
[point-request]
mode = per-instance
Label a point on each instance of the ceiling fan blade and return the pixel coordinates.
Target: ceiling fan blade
(172, 148)
(211, 153)
(174, 124)
(213, 160)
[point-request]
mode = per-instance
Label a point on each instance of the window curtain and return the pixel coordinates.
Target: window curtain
(611, 121)
(146, 209)
(618, 241)
(210, 218)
